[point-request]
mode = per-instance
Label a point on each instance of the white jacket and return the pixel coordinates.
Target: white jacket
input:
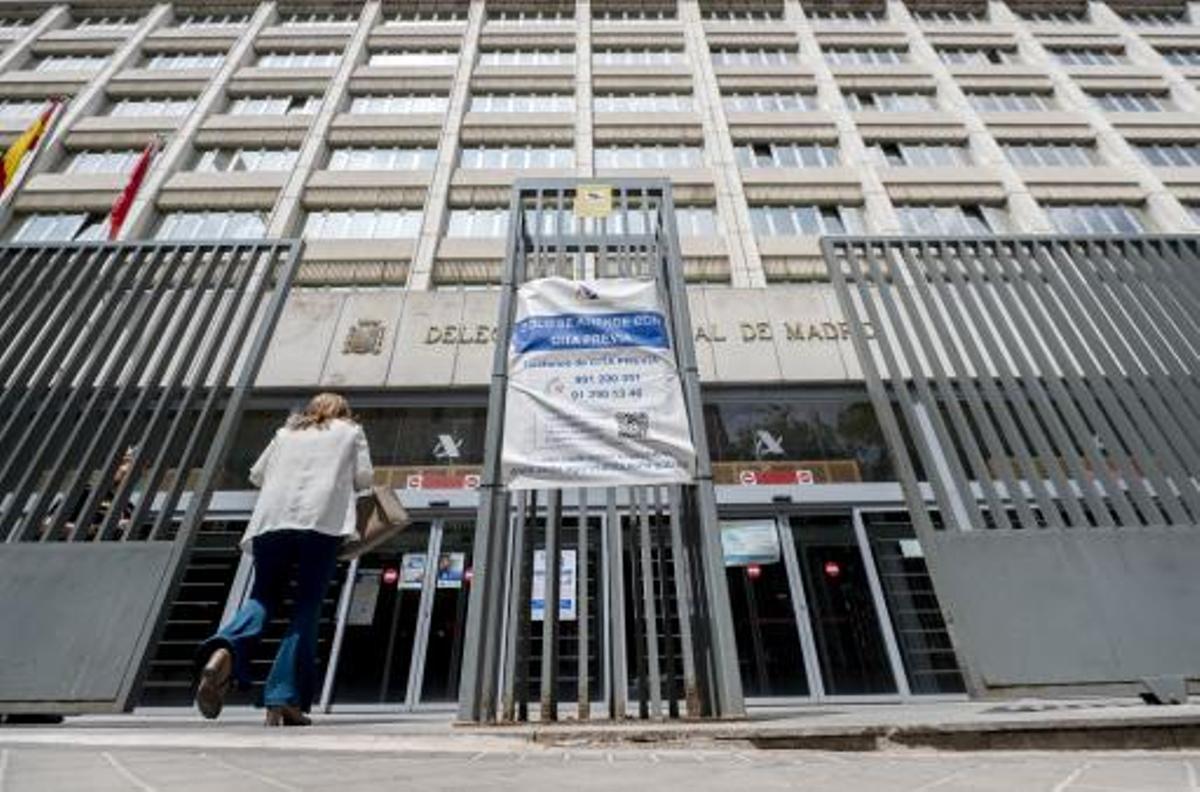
(309, 478)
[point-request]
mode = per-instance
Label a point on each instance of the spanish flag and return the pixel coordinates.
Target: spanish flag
(25, 143)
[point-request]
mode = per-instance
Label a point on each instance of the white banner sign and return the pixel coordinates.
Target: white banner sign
(594, 398)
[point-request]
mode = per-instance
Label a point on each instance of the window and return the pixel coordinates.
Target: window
(1089, 57)
(1181, 57)
(431, 16)
(187, 226)
(102, 161)
(205, 21)
(53, 63)
(1132, 102)
(648, 157)
(497, 157)
(741, 14)
(1055, 17)
(13, 27)
(1169, 155)
(921, 155)
(865, 57)
(317, 20)
(637, 57)
(633, 14)
(692, 221)
(220, 160)
(963, 17)
(523, 103)
(786, 155)
(753, 57)
(136, 107)
(382, 158)
(642, 103)
(805, 220)
(527, 58)
(21, 109)
(891, 102)
(1194, 211)
(478, 222)
(976, 56)
(391, 103)
(1043, 155)
(1010, 102)
(185, 60)
(951, 220)
(60, 227)
(107, 23)
(521, 17)
(413, 58)
(1157, 19)
(274, 105)
(1096, 219)
(848, 19)
(298, 60)
(362, 224)
(769, 102)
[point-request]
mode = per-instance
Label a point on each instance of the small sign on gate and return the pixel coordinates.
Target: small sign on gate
(594, 200)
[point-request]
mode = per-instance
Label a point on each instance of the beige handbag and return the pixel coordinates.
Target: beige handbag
(380, 517)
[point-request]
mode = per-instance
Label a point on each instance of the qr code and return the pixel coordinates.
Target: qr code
(633, 425)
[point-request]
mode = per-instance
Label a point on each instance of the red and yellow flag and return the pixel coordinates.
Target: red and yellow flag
(24, 144)
(120, 208)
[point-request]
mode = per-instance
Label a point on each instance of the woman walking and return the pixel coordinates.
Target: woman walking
(308, 475)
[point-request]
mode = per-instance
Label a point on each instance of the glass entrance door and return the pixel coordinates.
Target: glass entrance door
(403, 620)
(806, 616)
(846, 626)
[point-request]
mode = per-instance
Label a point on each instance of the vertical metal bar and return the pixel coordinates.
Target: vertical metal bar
(476, 692)
(416, 665)
(339, 634)
(662, 540)
(726, 694)
(800, 609)
(683, 603)
(549, 704)
(881, 610)
(648, 602)
(582, 576)
(512, 613)
(619, 674)
(524, 637)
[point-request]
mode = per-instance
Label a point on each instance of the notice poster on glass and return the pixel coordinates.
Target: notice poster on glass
(594, 398)
(566, 586)
(366, 594)
(748, 542)
(412, 571)
(451, 567)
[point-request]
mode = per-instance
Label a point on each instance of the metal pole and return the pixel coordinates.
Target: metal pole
(619, 673)
(647, 574)
(339, 632)
(581, 586)
(549, 708)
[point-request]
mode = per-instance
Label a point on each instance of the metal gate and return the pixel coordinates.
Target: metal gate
(124, 370)
(1045, 390)
(665, 538)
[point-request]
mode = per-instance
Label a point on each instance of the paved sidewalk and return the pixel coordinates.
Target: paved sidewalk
(160, 751)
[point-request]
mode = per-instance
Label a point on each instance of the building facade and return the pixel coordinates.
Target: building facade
(387, 136)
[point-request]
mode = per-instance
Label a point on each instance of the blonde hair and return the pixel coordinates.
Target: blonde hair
(321, 409)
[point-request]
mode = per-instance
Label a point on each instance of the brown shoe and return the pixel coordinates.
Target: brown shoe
(288, 715)
(214, 683)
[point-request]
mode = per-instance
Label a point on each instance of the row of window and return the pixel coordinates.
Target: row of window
(434, 15)
(747, 155)
(491, 222)
(879, 101)
(879, 56)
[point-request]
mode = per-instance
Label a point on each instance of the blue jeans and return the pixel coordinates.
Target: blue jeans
(292, 680)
